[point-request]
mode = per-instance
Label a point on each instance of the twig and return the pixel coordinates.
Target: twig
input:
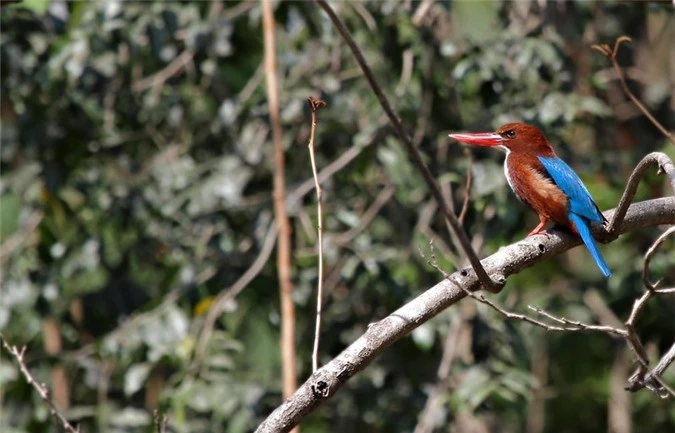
(316, 104)
(664, 164)
(41, 388)
(509, 260)
(161, 76)
(421, 12)
(648, 259)
(661, 366)
(408, 62)
(487, 282)
(367, 217)
(289, 378)
(226, 296)
(160, 420)
(231, 292)
(332, 168)
(611, 53)
(575, 325)
(467, 187)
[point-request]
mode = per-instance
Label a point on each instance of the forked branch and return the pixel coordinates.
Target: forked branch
(40, 388)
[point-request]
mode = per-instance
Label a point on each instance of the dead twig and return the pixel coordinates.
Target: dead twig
(611, 54)
(487, 282)
(316, 104)
(641, 378)
(41, 388)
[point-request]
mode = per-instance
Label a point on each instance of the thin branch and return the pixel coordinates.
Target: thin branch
(161, 76)
(367, 217)
(315, 105)
(611, 53)
(289, 379)
(467, 187)
(664, 164)
(41, 388)
(224, 298)
(661, 366)
(415, 156)
(332, 168)
(421, 11)
(575, 325)
(160, 420)
(509, 260)
(648, 259)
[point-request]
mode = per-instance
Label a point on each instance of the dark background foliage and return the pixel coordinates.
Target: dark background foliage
(136, 185)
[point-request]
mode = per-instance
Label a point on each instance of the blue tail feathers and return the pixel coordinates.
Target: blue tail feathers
(582, 227)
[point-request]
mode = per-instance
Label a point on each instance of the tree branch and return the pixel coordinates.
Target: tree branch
(663, 163)
(508, 260)
(315, 105)
(415, 156)
(41, 388)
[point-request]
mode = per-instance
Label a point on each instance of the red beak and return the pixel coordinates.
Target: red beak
(479, 139)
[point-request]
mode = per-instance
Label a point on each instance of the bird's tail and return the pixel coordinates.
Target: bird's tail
(582, 227)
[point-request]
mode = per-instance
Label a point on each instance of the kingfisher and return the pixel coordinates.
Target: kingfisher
(544, 182)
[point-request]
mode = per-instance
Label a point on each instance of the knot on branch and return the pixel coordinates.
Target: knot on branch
(321, 388)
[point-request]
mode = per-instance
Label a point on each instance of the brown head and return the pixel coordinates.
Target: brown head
(515, 137)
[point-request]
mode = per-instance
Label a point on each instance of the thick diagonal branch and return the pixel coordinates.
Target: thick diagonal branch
(507, 261)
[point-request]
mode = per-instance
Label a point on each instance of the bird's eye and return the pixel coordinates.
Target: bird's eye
(510, 133)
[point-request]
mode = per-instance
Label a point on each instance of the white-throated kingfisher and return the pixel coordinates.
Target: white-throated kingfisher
(544, 182)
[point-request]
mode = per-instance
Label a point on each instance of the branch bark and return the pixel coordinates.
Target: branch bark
(508, 260)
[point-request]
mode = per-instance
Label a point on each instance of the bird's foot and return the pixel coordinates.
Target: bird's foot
(538, 232)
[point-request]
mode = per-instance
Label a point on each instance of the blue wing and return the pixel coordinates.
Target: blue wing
(580, 200)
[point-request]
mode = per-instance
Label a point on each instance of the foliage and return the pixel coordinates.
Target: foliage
(136, 186)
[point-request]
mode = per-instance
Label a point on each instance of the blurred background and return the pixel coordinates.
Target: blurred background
(137, 168)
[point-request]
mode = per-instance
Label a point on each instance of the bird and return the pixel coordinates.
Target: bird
(544, 182)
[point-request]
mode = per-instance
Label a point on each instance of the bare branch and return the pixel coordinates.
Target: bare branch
(41, 388)
(648, 259)
(315, 105)
(509, 260)
(488, 284)
(611, 53)
(664, 164)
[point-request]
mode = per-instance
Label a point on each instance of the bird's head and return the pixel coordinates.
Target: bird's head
(514, 137)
